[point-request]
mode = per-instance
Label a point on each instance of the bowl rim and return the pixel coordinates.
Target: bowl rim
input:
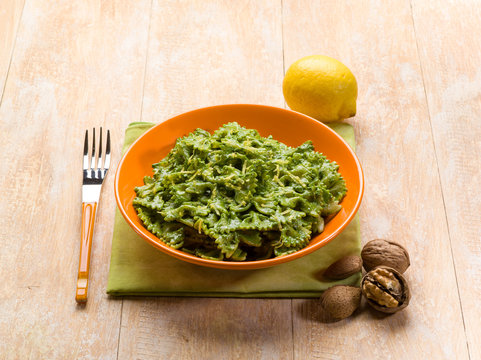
(241, 265)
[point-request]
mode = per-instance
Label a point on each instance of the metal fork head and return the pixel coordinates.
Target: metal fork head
(95, 167)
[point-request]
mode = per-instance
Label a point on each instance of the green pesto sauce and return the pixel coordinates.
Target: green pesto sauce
(236, 196)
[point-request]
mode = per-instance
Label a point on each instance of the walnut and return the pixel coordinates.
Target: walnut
(385, 289)
(339, 302)
(384, 252)
(344, 267)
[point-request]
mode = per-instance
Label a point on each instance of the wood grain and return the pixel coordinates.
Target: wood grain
(451, 62)
(403, 199)
(189, 328)
(76, 65)
(10, 14)
(204, 53)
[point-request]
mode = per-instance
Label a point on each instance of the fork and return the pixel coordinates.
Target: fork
(94, 173)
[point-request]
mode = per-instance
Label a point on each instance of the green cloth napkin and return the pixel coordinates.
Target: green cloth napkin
(137, 268)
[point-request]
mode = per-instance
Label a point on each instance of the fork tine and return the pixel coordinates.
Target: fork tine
(92, 162)
(99, 164)
(86, 151)
(107, 152)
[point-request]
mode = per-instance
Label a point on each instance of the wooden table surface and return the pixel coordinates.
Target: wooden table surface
(70, 65)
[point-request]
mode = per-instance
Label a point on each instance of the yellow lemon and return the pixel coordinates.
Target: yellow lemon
(321, 87)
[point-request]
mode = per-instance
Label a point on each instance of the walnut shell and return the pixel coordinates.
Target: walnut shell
(340, 301)
(343, 268)
(385, 289)
(385, 252)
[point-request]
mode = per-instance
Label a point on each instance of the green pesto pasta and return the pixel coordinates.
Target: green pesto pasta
(237, 196)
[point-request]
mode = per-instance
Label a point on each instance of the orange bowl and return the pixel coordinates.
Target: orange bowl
(286, 126)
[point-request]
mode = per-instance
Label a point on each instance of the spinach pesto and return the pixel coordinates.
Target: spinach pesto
(235, 195)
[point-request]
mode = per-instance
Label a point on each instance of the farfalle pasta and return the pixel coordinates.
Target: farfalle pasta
(236, 196)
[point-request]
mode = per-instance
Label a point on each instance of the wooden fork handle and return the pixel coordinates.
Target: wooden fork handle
(88, 220)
